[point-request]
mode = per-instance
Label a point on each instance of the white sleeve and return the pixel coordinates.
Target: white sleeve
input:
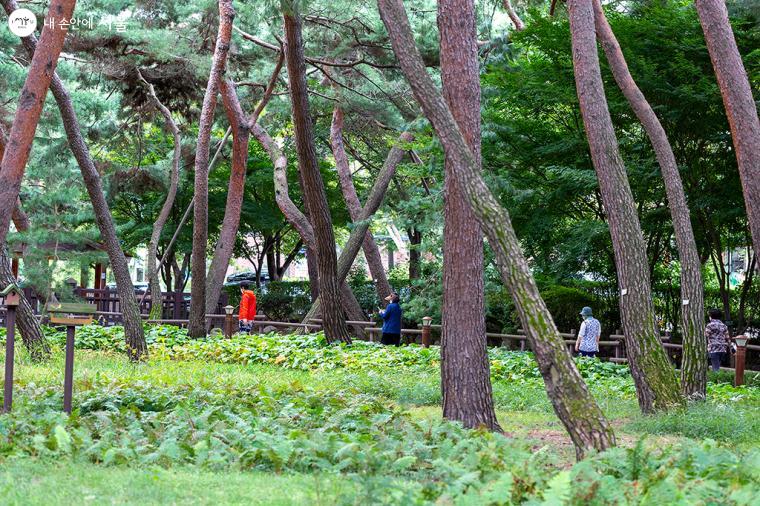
(582, 330)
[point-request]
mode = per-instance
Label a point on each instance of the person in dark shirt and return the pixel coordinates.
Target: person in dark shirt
(391, 321)
(718, 339)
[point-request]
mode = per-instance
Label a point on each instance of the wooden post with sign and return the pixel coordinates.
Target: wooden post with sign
(12, 296)
(70, 315)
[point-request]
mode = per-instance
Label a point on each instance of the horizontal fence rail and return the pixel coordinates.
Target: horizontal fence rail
(176, 309)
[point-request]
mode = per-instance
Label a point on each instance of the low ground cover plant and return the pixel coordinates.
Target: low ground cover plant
(349, 428)
(311, 352)
(387, 455)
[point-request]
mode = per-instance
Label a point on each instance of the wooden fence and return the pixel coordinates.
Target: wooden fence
(176, 307)
(612, 349)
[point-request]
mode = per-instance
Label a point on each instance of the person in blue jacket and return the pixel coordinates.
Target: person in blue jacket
(391, 321)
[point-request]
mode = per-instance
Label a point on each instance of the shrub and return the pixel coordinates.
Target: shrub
(284, 300)
(388, 455)
(259, 429)
(565, 304)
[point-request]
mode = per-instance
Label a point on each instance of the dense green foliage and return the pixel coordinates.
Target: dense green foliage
(290, 406)
(310, 352)
(385, 453)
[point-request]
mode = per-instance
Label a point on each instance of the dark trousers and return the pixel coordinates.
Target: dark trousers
(716, 358)
(388, 339)
(591, 354)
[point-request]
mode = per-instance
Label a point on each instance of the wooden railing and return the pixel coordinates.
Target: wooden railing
(612, 349)
(175, 305)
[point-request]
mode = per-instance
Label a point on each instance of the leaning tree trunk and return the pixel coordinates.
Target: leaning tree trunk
(133, 329)
(314, 190)
(739, 103)
(31, 100)
(465, 368)
(31, 330)
(516, 21)
(156, 299)
(197, 318)
(574, 405)
(371, 251)
(361, 225)
(235, 194)
(299, 221)
(654, 376)
(693, 363)
(28, 325)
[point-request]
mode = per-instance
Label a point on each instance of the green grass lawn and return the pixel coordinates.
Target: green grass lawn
(35, 477)
(29, 482)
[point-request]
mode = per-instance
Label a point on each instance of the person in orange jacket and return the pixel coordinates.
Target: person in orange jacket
(247, 307)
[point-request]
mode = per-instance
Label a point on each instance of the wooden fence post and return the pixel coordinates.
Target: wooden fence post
(12, 298)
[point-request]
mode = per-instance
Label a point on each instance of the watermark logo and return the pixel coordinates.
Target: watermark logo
(22, 22)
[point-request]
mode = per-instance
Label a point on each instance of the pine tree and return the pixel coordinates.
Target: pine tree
(573, 404)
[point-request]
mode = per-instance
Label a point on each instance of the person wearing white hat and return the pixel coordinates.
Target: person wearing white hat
(587, 344)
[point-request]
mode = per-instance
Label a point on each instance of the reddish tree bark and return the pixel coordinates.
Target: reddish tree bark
(739, 103)
(197, 319)
(235, 194)
(693, 363)
(133, 329)
(574, 405)
(516, 21)
(654, 376)
(20, 218)
(156, 307)
(314, 191)
(371, 251)
(31, 100)
(240, 127)
(465, 368)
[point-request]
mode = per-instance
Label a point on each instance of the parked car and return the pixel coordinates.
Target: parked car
(139, 287)
(249, 276)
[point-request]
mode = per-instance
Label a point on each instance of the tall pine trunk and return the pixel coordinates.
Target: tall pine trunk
(197, 318)
(693, 364)
(574, 405)
(465, 368)
(133, 329)
(655, 378)
(235, 195)
(371, 251)
(739, 103)
(314, 191)
(156, 302)
(31, 101)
